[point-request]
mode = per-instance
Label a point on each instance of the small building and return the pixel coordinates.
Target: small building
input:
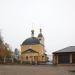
(64, 56)
(33, 50)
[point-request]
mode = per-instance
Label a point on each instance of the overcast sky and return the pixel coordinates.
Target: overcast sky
(55, 17)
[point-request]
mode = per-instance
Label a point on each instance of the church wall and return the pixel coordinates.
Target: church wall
(32, 57)
(41, 39)
(35, 56)
(37, 48)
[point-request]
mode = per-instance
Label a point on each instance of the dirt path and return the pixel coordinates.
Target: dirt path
(35, 70)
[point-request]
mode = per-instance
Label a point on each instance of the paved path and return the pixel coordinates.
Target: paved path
(36, 70)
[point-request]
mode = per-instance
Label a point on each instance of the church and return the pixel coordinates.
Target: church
(33, 49)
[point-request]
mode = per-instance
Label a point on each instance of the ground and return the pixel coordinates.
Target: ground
(36, 70)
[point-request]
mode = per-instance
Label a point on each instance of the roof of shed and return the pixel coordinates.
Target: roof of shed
(66, 50)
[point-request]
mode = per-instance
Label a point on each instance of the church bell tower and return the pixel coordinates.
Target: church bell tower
(40, 37)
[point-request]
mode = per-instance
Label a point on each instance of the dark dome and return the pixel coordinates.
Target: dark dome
(31, 41)
(40, 35)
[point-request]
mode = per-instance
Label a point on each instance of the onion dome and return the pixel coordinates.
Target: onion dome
(40, 35)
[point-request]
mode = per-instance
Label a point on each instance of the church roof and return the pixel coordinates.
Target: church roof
(29, 51)
(66, 50)
(31, 41)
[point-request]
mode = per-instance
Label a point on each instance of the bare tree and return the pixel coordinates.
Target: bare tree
(5, 51)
